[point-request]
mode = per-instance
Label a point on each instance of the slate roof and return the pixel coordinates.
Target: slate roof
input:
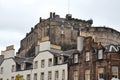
(1, 59)
(20, 60)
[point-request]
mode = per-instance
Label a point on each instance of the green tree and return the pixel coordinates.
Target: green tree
(19, 77)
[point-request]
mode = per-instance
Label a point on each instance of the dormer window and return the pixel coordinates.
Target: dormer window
(87, 56)
(23, 66)
(75, 58)
(100, 54)
(60, 59)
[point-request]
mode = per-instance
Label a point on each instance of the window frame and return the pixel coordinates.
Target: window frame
(35, 64)
(87, 56)
(42, 76)
(76, 75)
(56, 75)
(49, 62)
(43, 63)
(100, 54)
(76, 58)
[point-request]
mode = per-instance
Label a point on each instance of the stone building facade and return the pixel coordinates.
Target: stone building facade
(95, 62)
(104, 35)
(48, 64)
(63, 32)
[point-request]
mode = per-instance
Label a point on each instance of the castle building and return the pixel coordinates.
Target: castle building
(63, 32)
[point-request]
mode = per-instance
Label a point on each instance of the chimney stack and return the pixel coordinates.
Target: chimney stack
(80, 41)
(11, 47)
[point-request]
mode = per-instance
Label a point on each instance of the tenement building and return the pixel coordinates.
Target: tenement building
(48, 64)
(94, 62)
(90, 61)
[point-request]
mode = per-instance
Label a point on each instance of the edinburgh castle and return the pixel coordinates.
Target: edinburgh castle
(63, 33)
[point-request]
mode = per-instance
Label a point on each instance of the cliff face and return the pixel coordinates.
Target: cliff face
(61, 31)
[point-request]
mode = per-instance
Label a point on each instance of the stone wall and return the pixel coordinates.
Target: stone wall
(102, 34)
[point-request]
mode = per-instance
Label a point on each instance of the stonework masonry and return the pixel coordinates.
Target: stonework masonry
(63, 32)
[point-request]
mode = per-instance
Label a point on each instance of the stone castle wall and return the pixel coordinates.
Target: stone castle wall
(102, 34)
(63, 32)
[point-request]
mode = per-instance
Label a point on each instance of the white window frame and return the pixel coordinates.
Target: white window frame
(35, 64)
(75, 58)
(76, 75)
(63, 74)
(115, 71)
(13, 68)
(87, 56)
(12, 78)
(87, 74)
(56, 75)
(42, 76)
(49, 75)
(50, 62)
(35, 76)
(28, 76)
(42, 63)
(100, 54)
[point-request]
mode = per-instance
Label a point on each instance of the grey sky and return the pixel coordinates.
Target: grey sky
(18, 16)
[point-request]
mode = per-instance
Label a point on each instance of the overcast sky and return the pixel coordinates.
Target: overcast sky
(18, 16)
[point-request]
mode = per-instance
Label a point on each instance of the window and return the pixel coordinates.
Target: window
(13, 68)
(36, 65)
(28, 76)
(75, 75)
(56, 75)
(23, 66)
(87, 75)
(35, 76)
(49, 75)
(49, 62)
(87, 56)
(115, 71)
(100, 54)
(42, 63)
(1, 71)
(60, 59)
(42, 76)
(100, 73)
(63, 75)
(76, 58)
(12, 78)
